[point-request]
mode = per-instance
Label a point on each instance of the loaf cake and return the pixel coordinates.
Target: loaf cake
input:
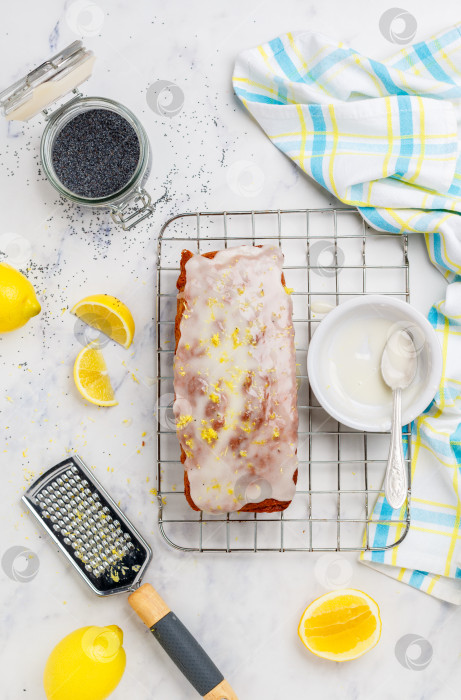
(235, 380)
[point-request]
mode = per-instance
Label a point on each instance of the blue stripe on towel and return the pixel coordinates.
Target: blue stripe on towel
(417, 578)
(319, 143)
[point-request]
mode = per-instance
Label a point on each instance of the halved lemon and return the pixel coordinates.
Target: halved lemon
(91, 377)
(341, 625)
(108, 315)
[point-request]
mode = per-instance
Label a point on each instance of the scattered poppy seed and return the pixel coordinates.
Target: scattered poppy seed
(96, 153)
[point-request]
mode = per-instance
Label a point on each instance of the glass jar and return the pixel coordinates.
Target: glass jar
(53, 80)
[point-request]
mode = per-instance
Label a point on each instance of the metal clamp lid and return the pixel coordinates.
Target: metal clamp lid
(133, 210)
(48, 82)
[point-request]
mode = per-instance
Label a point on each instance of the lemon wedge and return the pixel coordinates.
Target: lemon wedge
(341, 625)
(88, 664)
(108, 315)
(91, 377)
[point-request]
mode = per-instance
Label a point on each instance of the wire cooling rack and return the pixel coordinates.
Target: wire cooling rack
(330, 256)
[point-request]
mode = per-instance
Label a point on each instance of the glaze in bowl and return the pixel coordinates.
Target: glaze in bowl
(345, 397)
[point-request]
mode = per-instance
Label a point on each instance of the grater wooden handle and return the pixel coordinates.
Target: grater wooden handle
(223, 691)
(148, 604)
(180, 645)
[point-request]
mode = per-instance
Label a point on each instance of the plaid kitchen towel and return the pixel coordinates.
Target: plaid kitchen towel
(383, 136)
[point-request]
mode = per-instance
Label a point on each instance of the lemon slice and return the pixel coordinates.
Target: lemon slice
(91, 378)
(341, 625)
(108, 315)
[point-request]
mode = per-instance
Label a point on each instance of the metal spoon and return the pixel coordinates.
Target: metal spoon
(398, 368)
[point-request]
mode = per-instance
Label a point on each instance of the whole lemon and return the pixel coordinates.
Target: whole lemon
(18, 302)
(86, 665)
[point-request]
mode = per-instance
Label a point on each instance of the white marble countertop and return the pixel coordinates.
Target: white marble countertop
(243, 608)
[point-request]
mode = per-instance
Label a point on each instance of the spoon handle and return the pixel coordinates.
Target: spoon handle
(396, 479)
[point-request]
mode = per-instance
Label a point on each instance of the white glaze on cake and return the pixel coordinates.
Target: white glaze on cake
(235, 380)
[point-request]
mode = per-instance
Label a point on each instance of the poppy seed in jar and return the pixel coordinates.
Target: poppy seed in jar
(96, 153)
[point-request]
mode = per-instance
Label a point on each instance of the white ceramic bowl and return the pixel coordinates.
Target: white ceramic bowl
(331, 343)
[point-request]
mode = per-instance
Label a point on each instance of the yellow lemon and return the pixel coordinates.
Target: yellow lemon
(91, 377)
(109, 315)
(88, 664)
(341, 625)
(18, 302)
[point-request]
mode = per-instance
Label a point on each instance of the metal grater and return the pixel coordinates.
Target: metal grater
(91, 530)
(110, 554)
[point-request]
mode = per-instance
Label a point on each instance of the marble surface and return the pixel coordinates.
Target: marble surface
(243, 608)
